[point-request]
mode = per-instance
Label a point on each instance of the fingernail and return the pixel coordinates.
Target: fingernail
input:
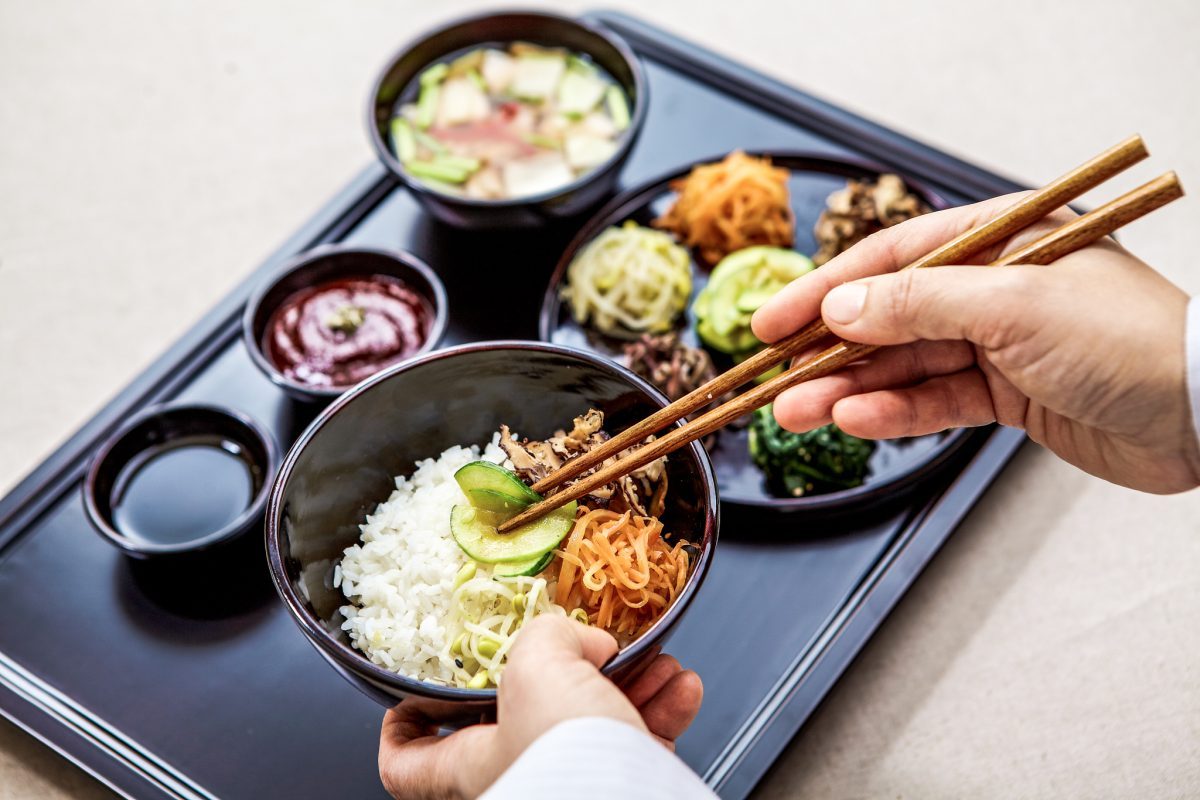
(844, 303)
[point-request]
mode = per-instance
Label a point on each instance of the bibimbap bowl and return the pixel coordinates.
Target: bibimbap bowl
(345, 464)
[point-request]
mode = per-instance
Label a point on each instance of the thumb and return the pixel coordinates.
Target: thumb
(981, 305)
(549, 637)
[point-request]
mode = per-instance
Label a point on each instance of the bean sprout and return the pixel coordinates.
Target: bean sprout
(629, 280)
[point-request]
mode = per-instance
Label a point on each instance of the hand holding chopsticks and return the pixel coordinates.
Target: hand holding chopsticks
(1072, 236)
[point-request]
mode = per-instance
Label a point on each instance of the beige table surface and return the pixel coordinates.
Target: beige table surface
(152, 153)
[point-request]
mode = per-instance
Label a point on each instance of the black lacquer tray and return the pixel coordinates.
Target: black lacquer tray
(161, 696)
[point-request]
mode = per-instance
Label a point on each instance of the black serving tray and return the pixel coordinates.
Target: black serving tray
(170, 689)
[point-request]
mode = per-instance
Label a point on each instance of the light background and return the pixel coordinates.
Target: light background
(152, 153)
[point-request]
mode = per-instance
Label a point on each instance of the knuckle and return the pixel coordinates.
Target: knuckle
(911, 367)
(949, 404)
(909, 414)
(885, 247)
(902, 298)
(854, 382)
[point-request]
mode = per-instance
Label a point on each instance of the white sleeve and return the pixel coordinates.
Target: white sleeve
(1193, 360)
(597, 757)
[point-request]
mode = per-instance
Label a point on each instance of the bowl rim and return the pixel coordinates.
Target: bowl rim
(357, 662)
(416, 186)
(859, 498)
(311, 257)
(228, 532)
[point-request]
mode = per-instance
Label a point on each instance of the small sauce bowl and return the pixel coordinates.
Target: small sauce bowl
(180, 479)
(323, 265)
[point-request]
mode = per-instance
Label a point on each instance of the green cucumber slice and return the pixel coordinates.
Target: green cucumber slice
(430, 143)
(434, 74)
(457, 162)
(537, 140)
(486, 475)
(512, 569)
(466, 63)
(478, 538)
(618, 107)
(404, 140)
(750, 300)
(427, 104)
(448, 173)
(496, 502)
(477, 78)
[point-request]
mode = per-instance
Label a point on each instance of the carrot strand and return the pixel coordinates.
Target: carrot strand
(620, 570)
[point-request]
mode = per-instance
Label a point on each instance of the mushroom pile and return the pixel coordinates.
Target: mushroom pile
(642, 491)
(669, 364)
(862, 208)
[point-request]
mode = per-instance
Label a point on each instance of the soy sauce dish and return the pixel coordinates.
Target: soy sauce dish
(179, 480)
(508, 119)
(380, 528)
(337, 315)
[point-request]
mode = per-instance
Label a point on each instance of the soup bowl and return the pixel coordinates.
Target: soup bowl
(605, 48)
(345, 463)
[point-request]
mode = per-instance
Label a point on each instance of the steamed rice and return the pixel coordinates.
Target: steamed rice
(400, 577)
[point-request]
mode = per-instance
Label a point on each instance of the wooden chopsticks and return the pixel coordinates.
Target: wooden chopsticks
(1072, 236)
(1020, 215)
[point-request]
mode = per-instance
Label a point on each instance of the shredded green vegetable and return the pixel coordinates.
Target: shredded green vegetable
(798, 464)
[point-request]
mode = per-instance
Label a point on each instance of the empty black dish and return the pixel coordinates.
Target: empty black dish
(547, 30)
(181, 479)
(333, 262)
(344, 465)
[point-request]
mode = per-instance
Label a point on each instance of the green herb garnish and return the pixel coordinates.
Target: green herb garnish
(346, 319)
(798, 464)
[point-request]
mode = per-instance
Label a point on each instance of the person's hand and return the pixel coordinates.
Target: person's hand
(552, 676)
(1087, 354)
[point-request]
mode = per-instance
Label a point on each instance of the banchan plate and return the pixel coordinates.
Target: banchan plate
(897, 466)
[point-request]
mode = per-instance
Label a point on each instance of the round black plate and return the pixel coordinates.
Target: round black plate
(896, 466)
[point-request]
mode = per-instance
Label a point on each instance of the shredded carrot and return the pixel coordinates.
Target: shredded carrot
(620, 570)
(735, 203)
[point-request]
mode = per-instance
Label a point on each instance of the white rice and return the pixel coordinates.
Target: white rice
(400, 577)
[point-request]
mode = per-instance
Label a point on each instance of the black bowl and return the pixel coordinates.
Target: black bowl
(551, 30)
(344, 465)
(330, 262)
(155, 430)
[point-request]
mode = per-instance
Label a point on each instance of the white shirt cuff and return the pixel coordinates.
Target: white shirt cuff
(597, 757)
(1193, 360)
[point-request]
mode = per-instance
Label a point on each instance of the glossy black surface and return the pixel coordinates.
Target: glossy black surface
(547, 30)
(185, 686)
(141, 497)
(334, 262)
(344, 465)
(896, 466)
